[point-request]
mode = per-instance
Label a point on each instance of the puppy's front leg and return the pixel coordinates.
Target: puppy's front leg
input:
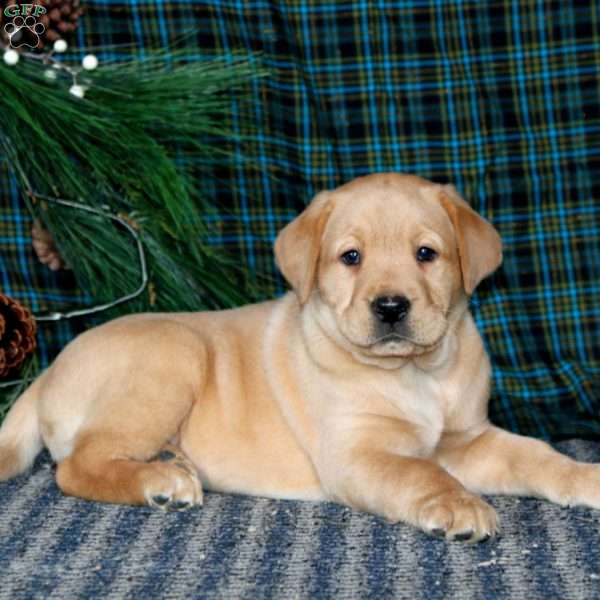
(499, 462)
(378, 470)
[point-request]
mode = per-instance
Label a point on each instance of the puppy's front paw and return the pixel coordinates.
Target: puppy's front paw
(171, 481)
(458, 516)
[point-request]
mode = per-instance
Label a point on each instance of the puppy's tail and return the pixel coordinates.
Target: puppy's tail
(20, 438)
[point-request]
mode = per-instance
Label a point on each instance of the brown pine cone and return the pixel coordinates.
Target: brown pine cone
(17, 335)
(45, 248)
(60, 19)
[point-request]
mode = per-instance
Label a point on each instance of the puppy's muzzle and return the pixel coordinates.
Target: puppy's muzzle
(390, 309)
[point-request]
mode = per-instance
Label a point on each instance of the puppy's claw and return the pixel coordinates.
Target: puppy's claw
(438, 533)
(160, 501)
(463, 536)
(179, 505)
(169, 504)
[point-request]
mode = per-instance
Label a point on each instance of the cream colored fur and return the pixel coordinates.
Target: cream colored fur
(302, 397)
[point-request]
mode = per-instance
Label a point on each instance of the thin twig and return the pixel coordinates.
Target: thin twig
(58, 315)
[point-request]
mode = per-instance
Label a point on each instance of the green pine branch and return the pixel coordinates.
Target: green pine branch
(118, 147)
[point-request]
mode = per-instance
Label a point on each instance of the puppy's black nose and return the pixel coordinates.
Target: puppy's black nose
(390, 309)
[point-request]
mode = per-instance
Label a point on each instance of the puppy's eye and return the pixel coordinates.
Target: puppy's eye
(425, 254)
(351, 258)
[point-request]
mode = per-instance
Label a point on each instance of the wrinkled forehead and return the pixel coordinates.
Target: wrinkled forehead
(383, 209)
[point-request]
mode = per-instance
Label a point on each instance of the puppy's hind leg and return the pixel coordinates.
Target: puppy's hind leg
(122, 455)
(113, 468)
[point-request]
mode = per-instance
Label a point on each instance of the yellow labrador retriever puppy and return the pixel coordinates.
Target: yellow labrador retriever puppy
(367, 385)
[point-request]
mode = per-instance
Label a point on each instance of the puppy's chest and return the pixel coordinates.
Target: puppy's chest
(422, 399)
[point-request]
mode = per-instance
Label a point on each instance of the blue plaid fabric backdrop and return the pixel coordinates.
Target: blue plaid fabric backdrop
(500, 98)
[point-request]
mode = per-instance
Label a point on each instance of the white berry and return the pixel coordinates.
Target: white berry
(89, 62)
(50, 74)
(77, 90)
(11, 57)
(60, 46)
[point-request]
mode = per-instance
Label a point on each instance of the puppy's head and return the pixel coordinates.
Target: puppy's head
(385, 259)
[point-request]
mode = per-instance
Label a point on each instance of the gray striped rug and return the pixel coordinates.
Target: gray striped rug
(52, 546)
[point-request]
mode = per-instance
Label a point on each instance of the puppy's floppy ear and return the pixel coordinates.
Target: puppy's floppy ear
(298, 244)
(479, 244)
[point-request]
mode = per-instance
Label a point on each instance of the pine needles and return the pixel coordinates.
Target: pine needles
(118, 147)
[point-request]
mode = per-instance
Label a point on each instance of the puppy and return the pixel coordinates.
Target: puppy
(367, 385)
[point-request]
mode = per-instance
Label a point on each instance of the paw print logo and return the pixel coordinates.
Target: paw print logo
(24, 32)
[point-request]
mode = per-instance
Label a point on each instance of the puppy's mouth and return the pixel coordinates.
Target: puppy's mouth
(402, 340)
(390, 333)
(393, 336)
